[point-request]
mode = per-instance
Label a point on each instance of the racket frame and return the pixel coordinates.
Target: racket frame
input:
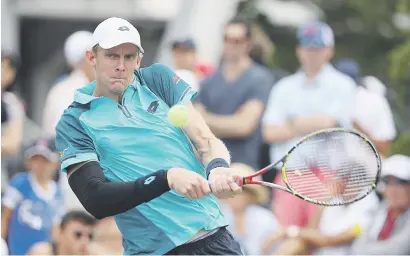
(249, 179)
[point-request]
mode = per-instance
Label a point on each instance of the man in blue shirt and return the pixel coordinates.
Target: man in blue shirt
(124, 159)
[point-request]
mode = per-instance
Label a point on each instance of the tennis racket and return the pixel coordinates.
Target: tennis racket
(329, 167)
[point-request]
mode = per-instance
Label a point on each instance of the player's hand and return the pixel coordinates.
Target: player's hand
(188, 183)
(222, 182)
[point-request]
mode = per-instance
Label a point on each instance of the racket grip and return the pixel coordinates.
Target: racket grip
(239, 181)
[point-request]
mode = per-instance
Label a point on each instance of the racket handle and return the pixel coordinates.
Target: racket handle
(239, 182)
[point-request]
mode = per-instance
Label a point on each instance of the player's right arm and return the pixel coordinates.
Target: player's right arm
(101, 198)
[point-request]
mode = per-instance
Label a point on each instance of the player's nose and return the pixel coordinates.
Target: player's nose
(121, 65)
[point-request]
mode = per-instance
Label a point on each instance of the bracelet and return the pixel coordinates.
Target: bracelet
(217, 162)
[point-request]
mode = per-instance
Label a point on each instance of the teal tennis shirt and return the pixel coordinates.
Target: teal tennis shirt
(132, 139)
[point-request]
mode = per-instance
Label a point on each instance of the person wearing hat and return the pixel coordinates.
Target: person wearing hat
(389, 233)
(249, 221)
(61, 95)
(124, 159)
(185, 60)
(32, 204)
(316, 97)
(372, 113)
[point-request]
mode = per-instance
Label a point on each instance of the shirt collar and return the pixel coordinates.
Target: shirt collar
(326, 69)
(84, 95)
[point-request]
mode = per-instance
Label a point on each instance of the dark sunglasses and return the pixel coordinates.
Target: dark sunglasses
(78, 235)
(234, 40)
(392, 181)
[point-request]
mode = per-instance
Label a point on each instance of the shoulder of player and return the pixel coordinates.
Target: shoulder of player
(72, 114)
(156, 69)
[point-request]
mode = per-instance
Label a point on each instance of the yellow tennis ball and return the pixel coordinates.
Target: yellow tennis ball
(178, 115)
(357, 230)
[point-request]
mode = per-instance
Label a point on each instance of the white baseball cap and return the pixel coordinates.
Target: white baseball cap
(115, 31)
(397, 166)
(76, 45)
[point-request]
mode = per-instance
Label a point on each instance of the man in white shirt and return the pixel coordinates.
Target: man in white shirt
(62, 94)
(372, 115)
(314, 98)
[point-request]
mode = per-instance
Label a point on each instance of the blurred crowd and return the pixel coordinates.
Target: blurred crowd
(259, 113)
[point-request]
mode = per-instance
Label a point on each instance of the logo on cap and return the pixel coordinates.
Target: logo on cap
(123, 28)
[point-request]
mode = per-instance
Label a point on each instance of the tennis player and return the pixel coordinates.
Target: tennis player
(124, 159)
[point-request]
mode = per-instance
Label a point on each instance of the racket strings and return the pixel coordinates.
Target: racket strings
(332, 167)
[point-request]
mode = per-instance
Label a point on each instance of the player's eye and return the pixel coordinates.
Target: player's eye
(130, 57)
(111, 55)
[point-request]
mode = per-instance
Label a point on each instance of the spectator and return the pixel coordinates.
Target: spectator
(316, 97)
(33, 203)
(331, 231)
(185, 61)
(249, 222)
(233, 99)
(372, 116)
(389, 234)
(62, 94)
(12, 113)
(74, 238)
(108, 238)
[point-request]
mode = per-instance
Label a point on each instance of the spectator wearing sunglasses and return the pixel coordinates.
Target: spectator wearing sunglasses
(232, 100)
(390, 231)
(74, 238)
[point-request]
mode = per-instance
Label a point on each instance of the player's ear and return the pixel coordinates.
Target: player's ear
(91, 57)
(139, 60)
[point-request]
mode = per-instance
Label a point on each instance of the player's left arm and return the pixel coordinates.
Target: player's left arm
(213, 153)
(173, 90)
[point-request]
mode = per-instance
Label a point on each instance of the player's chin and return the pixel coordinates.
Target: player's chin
(118, 86)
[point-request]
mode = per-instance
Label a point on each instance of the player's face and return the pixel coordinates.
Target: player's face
(236, 44)
(397, 193)
(114, 67)
(314, 59)
(76, 237)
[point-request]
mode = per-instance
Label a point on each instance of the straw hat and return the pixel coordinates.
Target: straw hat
(260, 194)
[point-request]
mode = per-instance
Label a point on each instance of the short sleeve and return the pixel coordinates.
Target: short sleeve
(14, 193)
(260, 91)
(166, 84)
(275, 113)
(72, 141)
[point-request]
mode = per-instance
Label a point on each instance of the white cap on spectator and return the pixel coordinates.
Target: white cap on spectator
(76, 45)
(115, 31)
(397, 166)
